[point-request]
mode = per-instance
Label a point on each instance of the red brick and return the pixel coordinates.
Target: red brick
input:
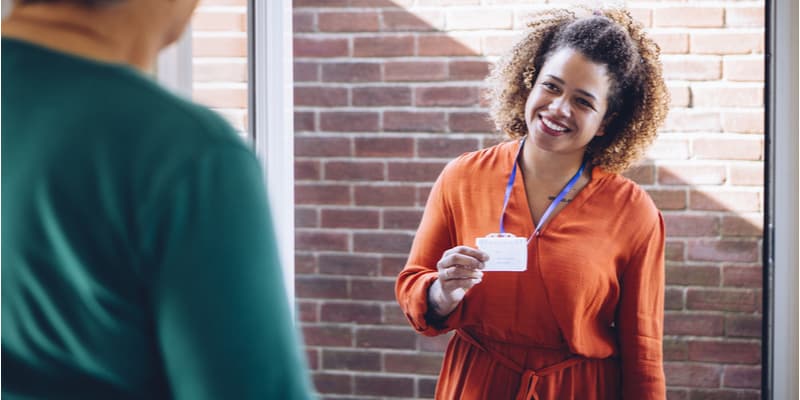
(384, 195)
(445, 147)
(691, 120)
(332, 383)
(381, 96)
(448, 2)
(211, 46)
(744, 277)
(303, 21)
(382, 4)
(673, 298)
(221, 97)
(724, 201)
(671, 42)
(305, 170)
(321, 240)
(350, 360)
(348, 21)
(666, 148)
(315, 287)
(723, 250)
(319, 3)
(744, 121)
(348, 121)
(393, 315)
(679, 95)
(422, 195)
(443, 96)
(305, 263)
(743, 68)
(428, 364)
(354, 171)
(737, 325)
(721, 394)
(448, 45)
(669, 199)
(373, 289)
(415, 71)
(219, 71)
(682, 225)
(308, 311)
(350, 218)
(312, 355)
(383, 46)
(470, 122)
(727, 96)
(304, 121)
(320, 96)
(693, 275)
(322, 147)
(384, 386)
(674, 251)
(691, 174)
(692, 375)
(386, 338)
(726, 42)
(316, 47)
(499, 44)
(688, 17)
(392, 265)
(643, 174)
(306, 218)
(357, 313)
(750, 174)
(675, 350)
(382, 242)
(384, 147)
(401, 219)
(468, 70)
(693, 325)
(203, 20)
(321, 194)
(642, 15)
(743, 225)
(720, 299)
(417, 21)
(409, 121)
(426, 387)
(306, 71)
(692, 67)
(414, 171)
(725, 352)
(348, 264)
(351, 72)
(738, 16)
(329, 336)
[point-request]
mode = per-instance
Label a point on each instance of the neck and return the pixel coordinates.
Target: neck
(106, 34)
(548, 167)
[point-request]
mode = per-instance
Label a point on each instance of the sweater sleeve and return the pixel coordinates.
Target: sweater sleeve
(434, 236)
(221, 316)
(640, 319)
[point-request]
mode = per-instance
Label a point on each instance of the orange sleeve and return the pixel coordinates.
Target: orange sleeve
(640, 319)
(434, 236)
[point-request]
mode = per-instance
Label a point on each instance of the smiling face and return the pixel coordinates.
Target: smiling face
(567, 104)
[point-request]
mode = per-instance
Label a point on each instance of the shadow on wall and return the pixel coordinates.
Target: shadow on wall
(387, 92)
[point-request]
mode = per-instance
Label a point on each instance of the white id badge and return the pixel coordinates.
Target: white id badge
(506, 252)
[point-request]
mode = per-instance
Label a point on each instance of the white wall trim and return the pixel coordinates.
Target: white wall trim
(271, 113)
(784, 102)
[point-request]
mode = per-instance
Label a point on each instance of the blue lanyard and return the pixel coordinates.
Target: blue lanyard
(553, 204)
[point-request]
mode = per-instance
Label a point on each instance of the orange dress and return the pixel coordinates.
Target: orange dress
(584, 321)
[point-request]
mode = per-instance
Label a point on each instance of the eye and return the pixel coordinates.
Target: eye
(585, 103)
(550, 87)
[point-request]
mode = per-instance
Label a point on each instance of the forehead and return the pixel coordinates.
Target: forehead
(577, 71)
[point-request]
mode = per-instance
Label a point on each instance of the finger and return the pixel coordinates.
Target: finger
(460, 260)
(459, 273)
(468, 251)
(462, 283)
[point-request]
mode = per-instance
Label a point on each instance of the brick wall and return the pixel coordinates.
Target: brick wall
(387, 92)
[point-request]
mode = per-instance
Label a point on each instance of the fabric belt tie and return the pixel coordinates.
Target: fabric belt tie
(530, 377)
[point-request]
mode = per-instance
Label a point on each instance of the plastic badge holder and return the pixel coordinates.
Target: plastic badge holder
(506, 252)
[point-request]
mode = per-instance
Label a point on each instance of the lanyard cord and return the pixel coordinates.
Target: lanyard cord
(553, 204)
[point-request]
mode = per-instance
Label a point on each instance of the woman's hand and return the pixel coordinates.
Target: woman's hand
(459, 270)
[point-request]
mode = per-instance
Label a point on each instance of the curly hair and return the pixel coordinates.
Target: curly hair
(637, 98)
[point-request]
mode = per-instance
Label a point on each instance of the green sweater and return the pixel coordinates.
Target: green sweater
(138, 258)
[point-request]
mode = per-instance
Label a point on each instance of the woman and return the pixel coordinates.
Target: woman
(580, 97)
(138, 255)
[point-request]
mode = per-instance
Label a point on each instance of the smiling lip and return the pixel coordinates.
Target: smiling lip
(552, 132)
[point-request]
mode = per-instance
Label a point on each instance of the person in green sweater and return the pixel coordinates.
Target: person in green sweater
(138, 256)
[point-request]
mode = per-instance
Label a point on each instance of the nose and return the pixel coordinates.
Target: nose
(560, 106)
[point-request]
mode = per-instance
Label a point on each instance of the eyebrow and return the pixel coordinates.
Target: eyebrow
(561, 81)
